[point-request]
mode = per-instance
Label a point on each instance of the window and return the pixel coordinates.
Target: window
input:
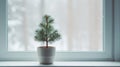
(80, 23)
(17, 18)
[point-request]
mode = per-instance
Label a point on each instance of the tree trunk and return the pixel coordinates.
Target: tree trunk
(46, 33)
(46, 44)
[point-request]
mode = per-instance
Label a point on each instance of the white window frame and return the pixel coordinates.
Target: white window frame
(107, 54)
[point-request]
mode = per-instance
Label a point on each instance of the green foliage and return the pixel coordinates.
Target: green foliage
(46, 32)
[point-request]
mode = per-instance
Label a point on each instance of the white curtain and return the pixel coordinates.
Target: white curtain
(80, 23)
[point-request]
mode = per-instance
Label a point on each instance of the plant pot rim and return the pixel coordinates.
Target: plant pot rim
(45, 47)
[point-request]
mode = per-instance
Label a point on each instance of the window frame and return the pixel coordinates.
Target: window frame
(108, 53)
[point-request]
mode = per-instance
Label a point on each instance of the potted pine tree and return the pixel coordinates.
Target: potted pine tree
(46, 34)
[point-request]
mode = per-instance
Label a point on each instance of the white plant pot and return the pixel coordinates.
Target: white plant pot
(46, 55)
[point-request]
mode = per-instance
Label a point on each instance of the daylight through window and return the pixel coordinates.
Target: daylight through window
(80, 23)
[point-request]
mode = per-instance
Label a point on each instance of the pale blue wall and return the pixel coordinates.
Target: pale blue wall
(117, 29)
(3, 23)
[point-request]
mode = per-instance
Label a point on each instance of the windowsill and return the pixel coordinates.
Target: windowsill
(66, 63)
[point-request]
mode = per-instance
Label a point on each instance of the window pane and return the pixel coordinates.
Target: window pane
(80, 23)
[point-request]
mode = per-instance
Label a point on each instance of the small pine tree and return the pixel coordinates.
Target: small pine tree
(46, 32)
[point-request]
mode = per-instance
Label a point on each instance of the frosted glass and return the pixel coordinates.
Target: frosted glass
(80, 23)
